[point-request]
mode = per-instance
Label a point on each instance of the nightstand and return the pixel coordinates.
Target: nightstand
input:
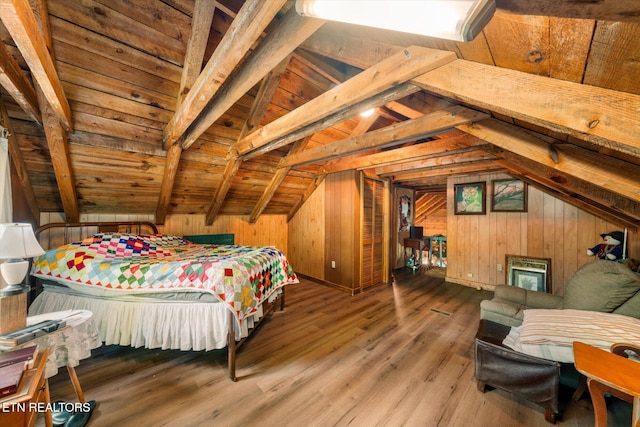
(22, 408)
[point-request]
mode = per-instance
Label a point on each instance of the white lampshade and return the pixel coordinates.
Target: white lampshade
(460, 20)
(17, 241)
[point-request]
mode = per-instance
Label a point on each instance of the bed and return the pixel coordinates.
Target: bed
(160, 290)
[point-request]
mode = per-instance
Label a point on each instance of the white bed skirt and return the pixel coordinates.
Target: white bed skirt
(160, 324)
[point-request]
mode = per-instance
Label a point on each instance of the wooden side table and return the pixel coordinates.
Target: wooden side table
(415, 245)
(22, 408)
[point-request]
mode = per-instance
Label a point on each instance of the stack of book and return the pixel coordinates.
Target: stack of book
(12, 365)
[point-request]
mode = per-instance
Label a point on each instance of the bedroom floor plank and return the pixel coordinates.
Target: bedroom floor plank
(381, 358)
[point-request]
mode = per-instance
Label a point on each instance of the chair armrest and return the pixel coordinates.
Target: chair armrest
(510, 293)
(543, 300)
(529, 299)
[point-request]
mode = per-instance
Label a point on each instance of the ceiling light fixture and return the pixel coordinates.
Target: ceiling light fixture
(368, 113)
(460, 20)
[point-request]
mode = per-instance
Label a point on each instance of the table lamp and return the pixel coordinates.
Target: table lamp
(17, 242)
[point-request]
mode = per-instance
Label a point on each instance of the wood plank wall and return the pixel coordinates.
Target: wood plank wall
(550, 229)
(269, 230)
(342, 229)
(307, 236)
(434, 222)
(324, 229)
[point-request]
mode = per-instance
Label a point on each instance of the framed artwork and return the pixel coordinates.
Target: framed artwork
(529, 273)
(404, 205)
(508, 195)
(469, 198)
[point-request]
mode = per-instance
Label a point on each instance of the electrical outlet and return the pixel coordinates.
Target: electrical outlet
(333, 264)
(499, 267)
(469, 275)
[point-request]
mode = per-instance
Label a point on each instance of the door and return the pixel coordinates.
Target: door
(373, 253)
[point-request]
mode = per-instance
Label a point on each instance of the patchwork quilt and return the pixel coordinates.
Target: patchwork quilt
(240, 276)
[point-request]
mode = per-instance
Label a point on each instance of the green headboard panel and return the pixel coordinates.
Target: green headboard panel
(212, 239)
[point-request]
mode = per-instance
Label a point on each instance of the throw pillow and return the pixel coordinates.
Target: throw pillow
(601, 285)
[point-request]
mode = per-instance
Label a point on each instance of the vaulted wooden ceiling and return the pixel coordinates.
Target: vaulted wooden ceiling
(243, 107)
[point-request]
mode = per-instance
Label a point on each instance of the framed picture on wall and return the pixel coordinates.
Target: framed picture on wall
(508, 195)
(469, 198)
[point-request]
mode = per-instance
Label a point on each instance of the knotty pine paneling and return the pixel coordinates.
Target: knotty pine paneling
(307, 236)
(342, 240)
(550, 228)
(269, 230)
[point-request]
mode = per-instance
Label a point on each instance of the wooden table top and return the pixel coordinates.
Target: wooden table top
(608, 368)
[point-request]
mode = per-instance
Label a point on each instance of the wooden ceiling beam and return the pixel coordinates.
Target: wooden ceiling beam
(382, 98)
(196, 47)
(246, 29)
(56, 134)
(276, 47)
(412, 165)
(168, 179)
(606, 173)
(393, 71)
(409, 130)
(605, 10)
(260, 104)
(601, 116)
(17, 85)
(448, 170)
(278, 178)
(425, 150)
(567, 191)
(329, 72)
(227, 178)
(18, 17)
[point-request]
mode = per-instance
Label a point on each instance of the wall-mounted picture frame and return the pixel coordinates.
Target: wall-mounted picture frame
(469, 198)
(508, 195)
(533, 274)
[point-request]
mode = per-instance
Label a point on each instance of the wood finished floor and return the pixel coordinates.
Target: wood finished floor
(381, 358)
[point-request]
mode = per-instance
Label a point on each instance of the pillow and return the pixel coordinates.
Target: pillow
(601, 286)
(631, 307)
(550, 334)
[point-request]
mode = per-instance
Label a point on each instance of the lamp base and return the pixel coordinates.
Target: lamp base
(13, 312)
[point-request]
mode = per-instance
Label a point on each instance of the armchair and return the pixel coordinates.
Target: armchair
(600, 285)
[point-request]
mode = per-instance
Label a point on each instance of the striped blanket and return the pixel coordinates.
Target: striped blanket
(550, 334)
(240, 276)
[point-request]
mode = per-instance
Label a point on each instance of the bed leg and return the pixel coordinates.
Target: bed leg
(231, 356)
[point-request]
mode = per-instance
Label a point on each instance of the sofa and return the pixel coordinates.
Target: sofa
(533, 353)
(600, 285)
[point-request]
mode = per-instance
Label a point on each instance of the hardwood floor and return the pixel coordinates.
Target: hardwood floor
(381, 358)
